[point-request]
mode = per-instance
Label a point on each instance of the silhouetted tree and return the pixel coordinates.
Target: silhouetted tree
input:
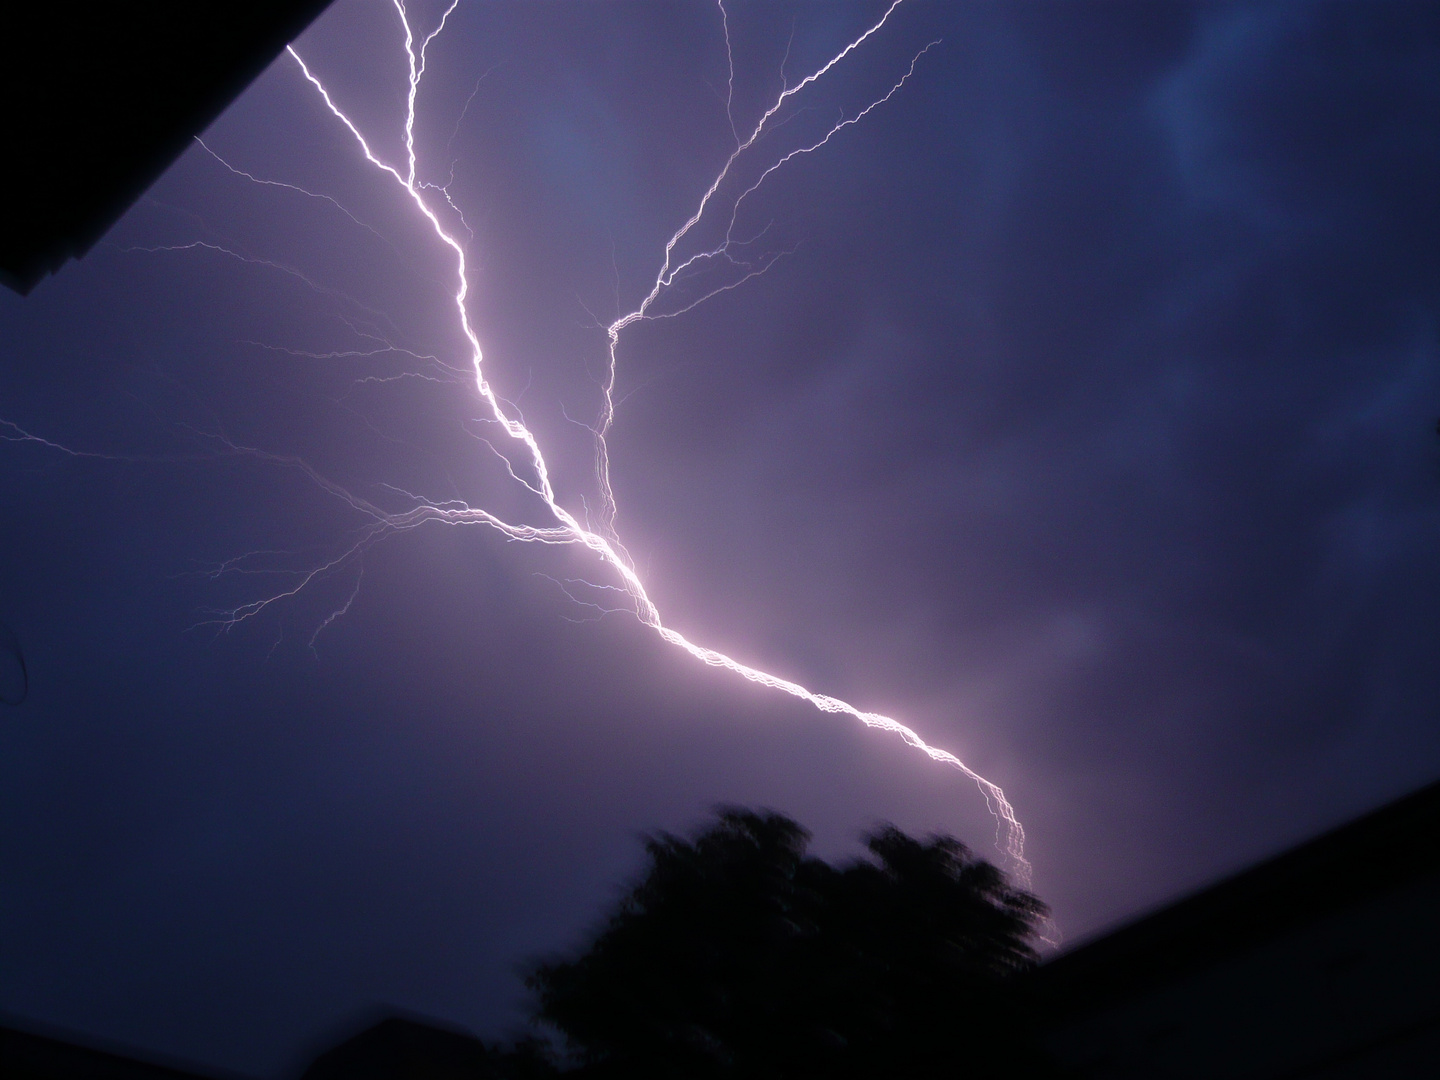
(737, 954)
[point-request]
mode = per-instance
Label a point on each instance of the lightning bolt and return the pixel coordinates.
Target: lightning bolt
(532, 471)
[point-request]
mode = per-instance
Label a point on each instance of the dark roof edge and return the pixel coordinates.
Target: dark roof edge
(1379, 852)
(48, 1050)
(256, 40)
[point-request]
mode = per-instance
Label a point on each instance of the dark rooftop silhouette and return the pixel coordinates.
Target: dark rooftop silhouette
(1386, 849)
(27, 1055)
(1320, 962)
(102, 98)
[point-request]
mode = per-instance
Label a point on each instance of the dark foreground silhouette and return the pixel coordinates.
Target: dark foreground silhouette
(1290, 969)
(739, 955)
(735, 954)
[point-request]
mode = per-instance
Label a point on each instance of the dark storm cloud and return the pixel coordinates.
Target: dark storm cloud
(1088, 425)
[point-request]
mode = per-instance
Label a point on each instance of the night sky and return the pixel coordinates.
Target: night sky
(1085, 422)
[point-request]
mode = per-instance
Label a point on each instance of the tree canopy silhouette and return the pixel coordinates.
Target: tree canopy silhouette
(737, 954)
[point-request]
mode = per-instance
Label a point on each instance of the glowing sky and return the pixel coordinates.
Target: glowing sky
(1086, 423)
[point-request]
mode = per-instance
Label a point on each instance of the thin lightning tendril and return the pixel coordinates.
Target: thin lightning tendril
(288, 187)
(601, 539)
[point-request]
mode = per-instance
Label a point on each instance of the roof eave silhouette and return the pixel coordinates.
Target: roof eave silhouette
(102, 98)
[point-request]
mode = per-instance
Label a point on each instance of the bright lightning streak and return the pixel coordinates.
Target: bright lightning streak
(602, 541)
